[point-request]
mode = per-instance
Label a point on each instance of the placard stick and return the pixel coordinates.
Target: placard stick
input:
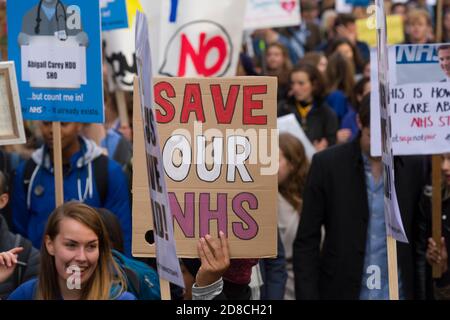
(392, 268)
(436, 209)
(122, 108)
(165, 289)
(57, 163)
(439, 17)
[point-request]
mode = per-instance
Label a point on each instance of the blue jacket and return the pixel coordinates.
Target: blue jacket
(31, 208)
(339, 103)
(27, 292)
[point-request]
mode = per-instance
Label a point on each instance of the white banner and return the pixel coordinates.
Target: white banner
(199, 37)
(290, 125)
(166, 254)
(262, 14)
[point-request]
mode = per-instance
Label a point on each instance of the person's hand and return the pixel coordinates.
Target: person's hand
(215, 259)
(8, 262)
(320, 145)
(435, 257)
(343, 135)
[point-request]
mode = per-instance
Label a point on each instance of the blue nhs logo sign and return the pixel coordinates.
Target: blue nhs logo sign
(415, 54)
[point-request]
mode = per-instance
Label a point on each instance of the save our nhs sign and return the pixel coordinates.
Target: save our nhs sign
(114, 14)
(56, 47)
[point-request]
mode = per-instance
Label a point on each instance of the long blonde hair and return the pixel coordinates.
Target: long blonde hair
(107, 275)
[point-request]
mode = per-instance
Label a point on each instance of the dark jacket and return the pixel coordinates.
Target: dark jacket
(8, 241)
(335, 196)
(424, 226)
(321, 122)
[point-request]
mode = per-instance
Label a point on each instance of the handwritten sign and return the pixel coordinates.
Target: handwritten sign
(220, 154)
(419, 101)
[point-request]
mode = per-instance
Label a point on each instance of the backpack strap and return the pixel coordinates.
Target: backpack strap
(30, 165)
(100, 167)
(23, 256)
(130, 274)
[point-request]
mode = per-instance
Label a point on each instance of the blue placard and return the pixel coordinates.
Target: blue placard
(114, 14)
(56, 47)
(358, 3)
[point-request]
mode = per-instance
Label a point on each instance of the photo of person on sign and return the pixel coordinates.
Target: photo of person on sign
(444, 60)
(53, 18)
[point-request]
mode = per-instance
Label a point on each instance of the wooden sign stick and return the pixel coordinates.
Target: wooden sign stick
(392, 268)
(436, 208)
(165, 289)
(122, 108)
(57, 163)
(439, 16)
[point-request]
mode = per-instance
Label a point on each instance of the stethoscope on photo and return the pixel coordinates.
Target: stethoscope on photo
(62, 32)
(88, 189)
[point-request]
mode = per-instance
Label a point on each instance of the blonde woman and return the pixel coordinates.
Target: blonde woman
(76, 260)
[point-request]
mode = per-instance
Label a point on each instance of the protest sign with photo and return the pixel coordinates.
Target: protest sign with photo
(57, 54)
(262, 14)
(199, 37)
(220, 154)
(419, 101)
(114, 14)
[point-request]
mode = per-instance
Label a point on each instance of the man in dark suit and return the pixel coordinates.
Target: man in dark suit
(344, 194)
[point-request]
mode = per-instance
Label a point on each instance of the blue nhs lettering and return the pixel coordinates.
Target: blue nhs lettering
(416, 54)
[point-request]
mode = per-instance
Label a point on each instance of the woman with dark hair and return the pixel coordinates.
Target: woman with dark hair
(348, 50)
(317, 59)
(76, 260)
(293, 168)
(278, 65)
(340, 77)
(349, 121)
(308, 104)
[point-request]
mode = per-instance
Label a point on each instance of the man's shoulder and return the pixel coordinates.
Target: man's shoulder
(336, 153)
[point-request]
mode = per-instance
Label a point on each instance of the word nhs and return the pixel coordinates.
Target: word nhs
(416, 54)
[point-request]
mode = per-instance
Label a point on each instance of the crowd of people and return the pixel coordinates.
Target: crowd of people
(331, 222)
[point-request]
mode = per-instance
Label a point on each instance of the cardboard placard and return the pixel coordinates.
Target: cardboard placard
(236, 191)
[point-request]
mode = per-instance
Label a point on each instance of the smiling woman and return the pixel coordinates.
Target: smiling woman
(76, 260)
